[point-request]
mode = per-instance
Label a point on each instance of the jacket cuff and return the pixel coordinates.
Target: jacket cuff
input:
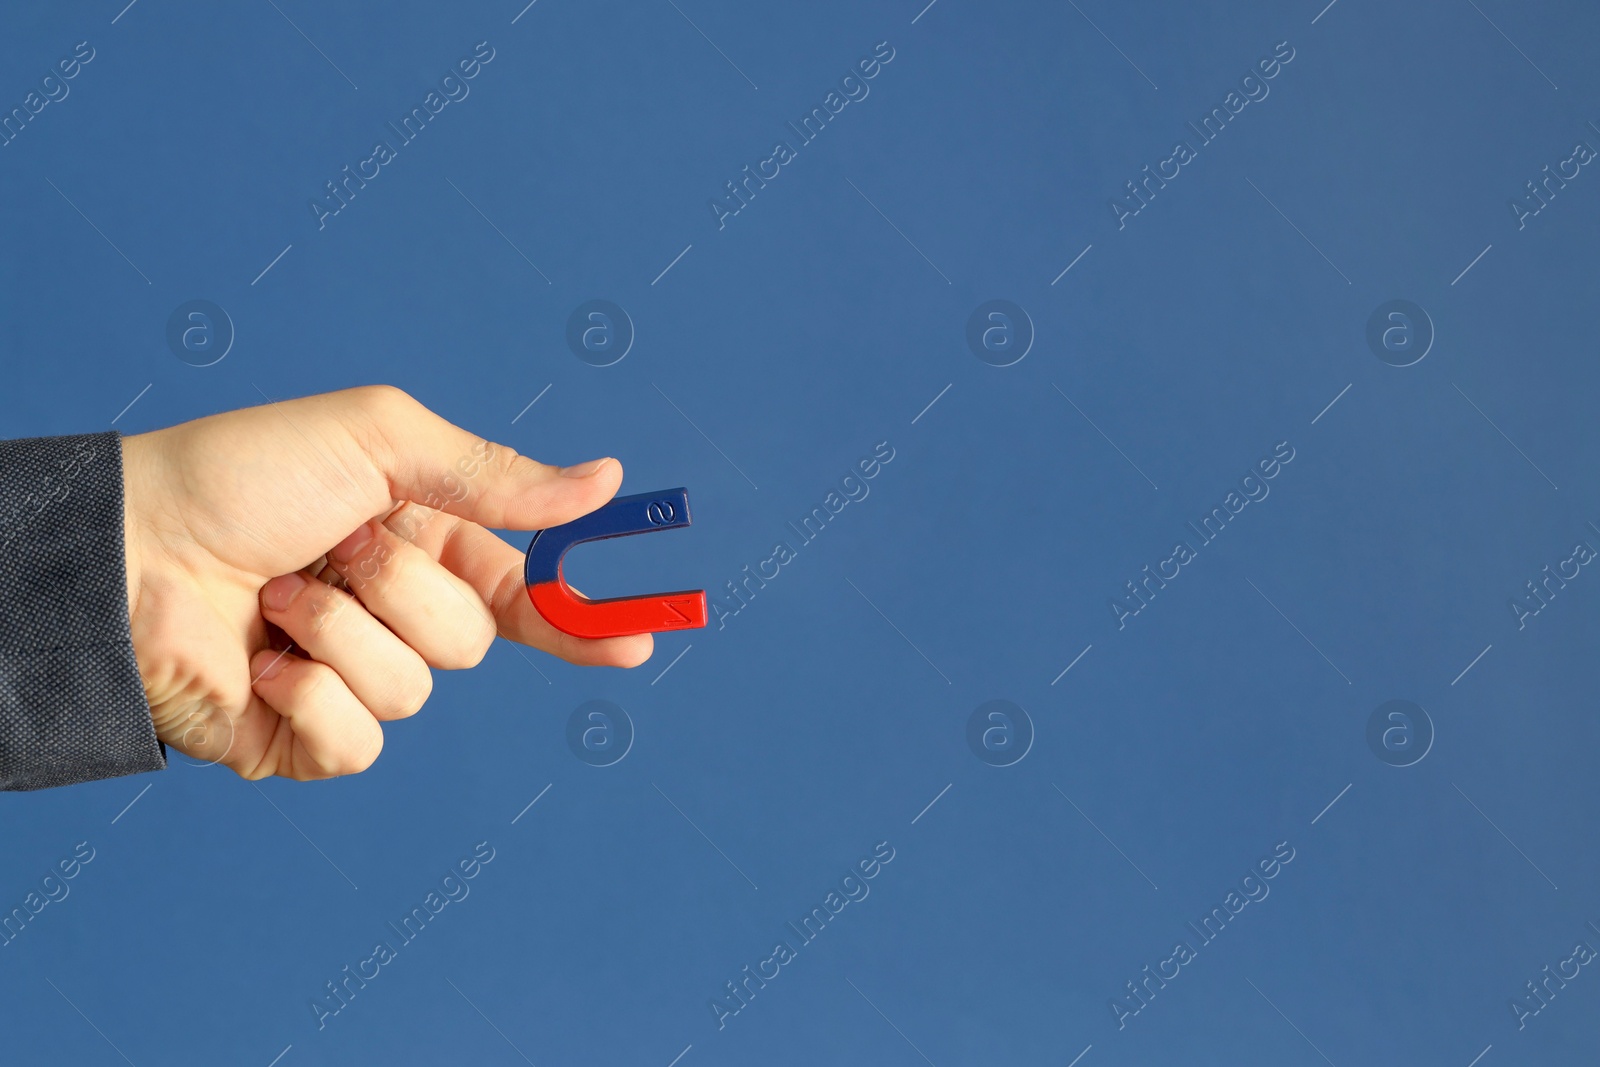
(72, 704)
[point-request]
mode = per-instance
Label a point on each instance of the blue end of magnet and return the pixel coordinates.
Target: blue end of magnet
(662, 510)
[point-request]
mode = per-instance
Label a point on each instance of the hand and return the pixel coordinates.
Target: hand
(351, 524)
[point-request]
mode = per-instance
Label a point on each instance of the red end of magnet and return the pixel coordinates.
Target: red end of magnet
(579, 616)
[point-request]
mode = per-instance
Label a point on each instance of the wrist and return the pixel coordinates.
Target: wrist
(135, 535)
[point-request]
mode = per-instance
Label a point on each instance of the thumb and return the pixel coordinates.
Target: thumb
(430, 461)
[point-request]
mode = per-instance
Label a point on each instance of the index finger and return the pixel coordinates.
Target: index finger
(430, 461)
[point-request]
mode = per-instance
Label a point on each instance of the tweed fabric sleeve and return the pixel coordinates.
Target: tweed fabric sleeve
(72, 706)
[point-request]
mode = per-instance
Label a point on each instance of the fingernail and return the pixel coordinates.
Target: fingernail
(583, 470)
(277, 593)
(273, 666)
(346, 550)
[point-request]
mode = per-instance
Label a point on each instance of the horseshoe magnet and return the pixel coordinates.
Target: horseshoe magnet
(574, 614)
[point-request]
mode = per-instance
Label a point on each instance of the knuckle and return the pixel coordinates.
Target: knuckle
(514, 464)
(380, 563)
(381, 415)
(382, 399)
(485, 641)
(505, 459)
(409, 520)
(479, 643)
(358, 758)
(473, 647)
(314, 682)
(410, 694)
(454, 659)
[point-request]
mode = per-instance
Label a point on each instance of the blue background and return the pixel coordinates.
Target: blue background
(826, 715)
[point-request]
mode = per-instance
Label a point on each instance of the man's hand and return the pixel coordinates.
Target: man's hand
(353, 525)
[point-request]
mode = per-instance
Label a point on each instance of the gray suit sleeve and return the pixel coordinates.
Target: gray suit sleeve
(72, 706)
